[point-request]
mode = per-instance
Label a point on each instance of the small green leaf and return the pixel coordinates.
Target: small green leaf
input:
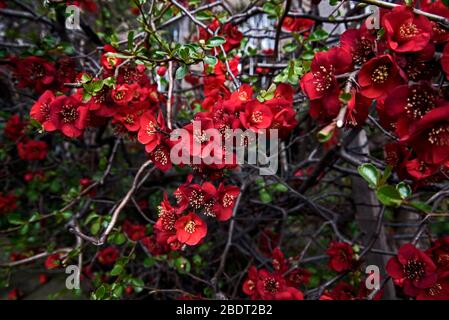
(181, 72)
(370, 173)
(345, 97)
(389, 196)
(95, 227)
(265, 197)
(100, 292)
(210, 60)
(215, 42)
(118, 269)
(404, 190)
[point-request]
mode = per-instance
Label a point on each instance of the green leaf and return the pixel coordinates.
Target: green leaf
(404, 190)
(280, 187)
(100, 292)
(210, 60)
(290, 47)
(424, 207)
(118, 269)
(215, 42)
(181, 72)
(265, 197)
(318, 35)
(345, 97)
(95, 227)
(370, 173)
(15, 218)
(389, 196)
(130, 40)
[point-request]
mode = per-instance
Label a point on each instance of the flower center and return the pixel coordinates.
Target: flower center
(129, 119)
(271, 285)
(439, 135)
(380, 74)
(408, 31)
(69, 113)
(190, 227)
(167, 218)
(37, 71)
(256, 117)
(160, 157)
(243, 96)
(414, 269)
(435, 290)
(150, 128)
(323, 78)
(228, 200)
(363, 51)
(419, 103)
(45, 111)
(196, 199)
(119, 95)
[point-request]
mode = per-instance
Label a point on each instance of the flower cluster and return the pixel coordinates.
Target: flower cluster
(281, 284)
(396, 69)
(422, 275)
(181, 224)
(97, 102)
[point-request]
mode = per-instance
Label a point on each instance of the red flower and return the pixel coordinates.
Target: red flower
(249, 285)
(15, 128)
(341, 256)
(190, 229)
(256, 116)
(123, 94)
(429, 136)
(297, 24)
(410, 103)
(413, 269)
(108, 61)
(32, 150)
(41, 110)
(13, 294)
(223, 200)
(280, 264)
(150, 133)
(439, 252)
(153, 246)
(406, 31)
(273, 287)
(135, 232)
(440, 35)
(34, 72)
(298, 277)
(439, 291)
(7, 203)
(379, 76)
(68, 115)
(360, 43)
(108, 256)
(161, 157)
(358, 109)
(233, 37)
(53, 261)
(320, 84)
